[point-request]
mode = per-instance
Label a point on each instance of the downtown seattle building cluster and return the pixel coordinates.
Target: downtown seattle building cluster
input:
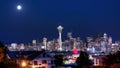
(99, 45)
(42, 54)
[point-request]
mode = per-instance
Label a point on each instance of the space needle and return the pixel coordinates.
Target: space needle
(60, 37)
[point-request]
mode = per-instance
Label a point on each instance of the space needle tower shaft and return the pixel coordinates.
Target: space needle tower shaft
(60, 37)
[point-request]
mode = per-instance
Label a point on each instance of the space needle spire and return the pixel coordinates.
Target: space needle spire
(60, 28)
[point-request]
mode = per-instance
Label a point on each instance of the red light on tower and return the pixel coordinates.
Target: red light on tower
(75, 51)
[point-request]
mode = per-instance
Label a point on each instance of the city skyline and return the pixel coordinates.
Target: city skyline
(38, 19)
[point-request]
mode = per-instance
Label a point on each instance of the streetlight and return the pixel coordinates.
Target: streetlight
(60, 38)
(23, 64)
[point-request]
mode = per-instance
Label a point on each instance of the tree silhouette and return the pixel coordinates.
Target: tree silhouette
(83, 60)
(113, 59)
(58, 59)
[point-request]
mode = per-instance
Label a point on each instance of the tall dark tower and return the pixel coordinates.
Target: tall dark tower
(105, 37)
(69, 35)
(98, 34)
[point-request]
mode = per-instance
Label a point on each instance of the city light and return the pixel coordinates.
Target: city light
(23, 64)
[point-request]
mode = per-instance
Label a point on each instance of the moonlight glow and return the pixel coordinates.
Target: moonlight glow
(19, 7)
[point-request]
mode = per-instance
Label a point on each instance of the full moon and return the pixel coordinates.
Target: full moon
(19, 7)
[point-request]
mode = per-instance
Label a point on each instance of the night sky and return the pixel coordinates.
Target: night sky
(40, 18)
